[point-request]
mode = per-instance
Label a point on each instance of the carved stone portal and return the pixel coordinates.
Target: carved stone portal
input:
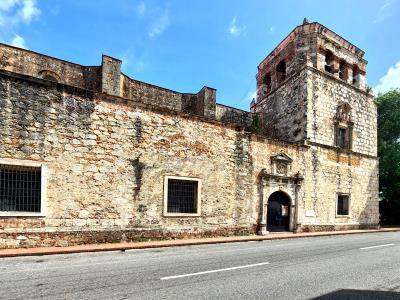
(279, 180)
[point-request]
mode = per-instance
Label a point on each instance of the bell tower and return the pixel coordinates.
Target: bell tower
(303, 84)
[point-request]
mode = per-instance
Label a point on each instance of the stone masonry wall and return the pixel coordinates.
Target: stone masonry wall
(107, 158)
(283, 113)
(231, 115)
(325, 93)
(30, 63)
(327, 173)
(108, 79)
(150, 94)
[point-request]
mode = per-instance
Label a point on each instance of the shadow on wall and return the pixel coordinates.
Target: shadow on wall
(359, 295)
(372, 207)
(138, 170)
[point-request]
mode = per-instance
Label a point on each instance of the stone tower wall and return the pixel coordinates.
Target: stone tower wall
(283, 112)
(325, 94)
(284, 105)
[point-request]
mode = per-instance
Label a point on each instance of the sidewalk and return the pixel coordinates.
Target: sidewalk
(174, 243)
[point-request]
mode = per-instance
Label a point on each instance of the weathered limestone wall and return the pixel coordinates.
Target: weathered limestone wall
(111, 75)
(108, 141)
(31, 63)
(298, 49)
(108, 79)
(107, 159)
(151, 94)
(330, 173)
(326, 173)
(201, 104)
(283, 112)
(325, 93)
(228, 114)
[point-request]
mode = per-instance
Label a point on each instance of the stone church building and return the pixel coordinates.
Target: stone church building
(88, 154)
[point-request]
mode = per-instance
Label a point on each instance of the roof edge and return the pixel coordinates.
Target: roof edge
(320, 28)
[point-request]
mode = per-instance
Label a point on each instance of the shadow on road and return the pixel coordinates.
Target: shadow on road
(359, 295)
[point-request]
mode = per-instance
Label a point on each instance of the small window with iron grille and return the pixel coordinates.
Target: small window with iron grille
(342, 207)
(21, 190)
(181, 196)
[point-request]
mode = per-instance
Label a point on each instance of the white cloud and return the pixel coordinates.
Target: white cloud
(272, 29)
(235, 30)
(141, 8)
(6, 5)
(18, 41)
(384, 11)
(13, 12)
(390, 80)
(29, 10)
(159, 26)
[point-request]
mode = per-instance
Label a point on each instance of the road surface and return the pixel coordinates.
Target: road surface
(361, 266)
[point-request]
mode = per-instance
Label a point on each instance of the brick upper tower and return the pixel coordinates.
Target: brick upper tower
(312, 87)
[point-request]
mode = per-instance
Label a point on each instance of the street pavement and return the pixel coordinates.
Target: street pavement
(359, 266)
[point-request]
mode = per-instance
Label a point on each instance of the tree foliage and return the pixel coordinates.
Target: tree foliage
(389, 154)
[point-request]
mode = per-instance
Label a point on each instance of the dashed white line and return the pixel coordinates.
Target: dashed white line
(214, 271)
(377, 246)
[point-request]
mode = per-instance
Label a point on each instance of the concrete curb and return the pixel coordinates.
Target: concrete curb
(175, 243)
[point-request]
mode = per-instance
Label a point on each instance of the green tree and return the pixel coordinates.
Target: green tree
(389, 154)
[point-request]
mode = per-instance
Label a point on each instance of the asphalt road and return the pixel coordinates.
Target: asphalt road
(337, 267)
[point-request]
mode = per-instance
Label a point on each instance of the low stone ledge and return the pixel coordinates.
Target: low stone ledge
(22, 239)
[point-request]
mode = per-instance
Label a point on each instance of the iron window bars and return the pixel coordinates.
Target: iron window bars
(182, 196)
(20, 188)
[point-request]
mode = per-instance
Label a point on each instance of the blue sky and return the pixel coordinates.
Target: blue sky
(184, 45)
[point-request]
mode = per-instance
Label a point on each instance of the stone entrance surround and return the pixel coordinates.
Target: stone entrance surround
(278, 183)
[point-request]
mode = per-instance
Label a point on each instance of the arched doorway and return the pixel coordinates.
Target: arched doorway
(278, 210)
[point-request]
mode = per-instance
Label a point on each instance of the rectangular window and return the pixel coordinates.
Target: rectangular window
(22, 189)
(181, 196)
(342, 205)
(341, 139)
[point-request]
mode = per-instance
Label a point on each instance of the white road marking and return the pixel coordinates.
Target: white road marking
(378, 246)
(214, 271)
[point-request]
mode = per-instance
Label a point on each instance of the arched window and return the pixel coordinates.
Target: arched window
(356, 72)
(329, 61)
(343, 70)
(281, 71)
(49, 75)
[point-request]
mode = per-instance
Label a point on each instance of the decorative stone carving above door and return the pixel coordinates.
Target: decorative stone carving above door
(281, 164)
